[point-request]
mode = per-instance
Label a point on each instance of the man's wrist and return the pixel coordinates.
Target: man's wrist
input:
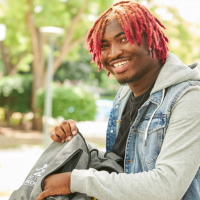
(68, 181)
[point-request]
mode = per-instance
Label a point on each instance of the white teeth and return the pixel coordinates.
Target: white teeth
(119, 64)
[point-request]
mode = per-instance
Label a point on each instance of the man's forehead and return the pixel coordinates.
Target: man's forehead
(113, 29)
(112, 21)
(113, 24)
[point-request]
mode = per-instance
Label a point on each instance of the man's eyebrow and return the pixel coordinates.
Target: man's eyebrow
(121, 33)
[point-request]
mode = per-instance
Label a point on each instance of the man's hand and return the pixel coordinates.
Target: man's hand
(56, 184)
(65, 131)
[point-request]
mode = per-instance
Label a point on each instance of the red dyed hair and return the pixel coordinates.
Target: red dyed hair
(135, 19)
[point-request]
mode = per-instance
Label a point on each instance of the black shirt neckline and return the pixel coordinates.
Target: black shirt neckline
(128, 117)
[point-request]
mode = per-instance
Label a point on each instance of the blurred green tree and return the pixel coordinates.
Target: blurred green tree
(69, 102)
(15, 94)
(24, 41)
(183, 35)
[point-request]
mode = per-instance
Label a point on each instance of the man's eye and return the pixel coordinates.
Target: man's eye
(124, 40)
(104, 45)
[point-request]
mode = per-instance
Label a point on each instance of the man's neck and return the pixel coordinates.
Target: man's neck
(140, 86)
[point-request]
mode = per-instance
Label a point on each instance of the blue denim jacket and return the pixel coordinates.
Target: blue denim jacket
(151, 124)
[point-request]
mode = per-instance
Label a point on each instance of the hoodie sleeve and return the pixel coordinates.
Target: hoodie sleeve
(176, 165)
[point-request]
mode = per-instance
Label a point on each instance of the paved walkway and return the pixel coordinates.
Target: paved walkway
(15, 163)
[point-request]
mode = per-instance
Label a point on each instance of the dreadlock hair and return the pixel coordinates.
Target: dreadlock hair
(135, 19)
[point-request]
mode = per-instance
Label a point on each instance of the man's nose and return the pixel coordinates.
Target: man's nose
(114, 53)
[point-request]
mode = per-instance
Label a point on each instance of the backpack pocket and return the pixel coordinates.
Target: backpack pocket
(66, 166)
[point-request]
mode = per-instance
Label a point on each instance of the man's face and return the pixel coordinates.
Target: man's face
(126, 62)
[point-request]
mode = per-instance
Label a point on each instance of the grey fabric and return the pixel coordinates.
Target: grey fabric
(64, 157)
(108, 163)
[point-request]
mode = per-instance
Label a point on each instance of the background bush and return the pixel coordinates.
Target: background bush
(15, 93)
(69, 102)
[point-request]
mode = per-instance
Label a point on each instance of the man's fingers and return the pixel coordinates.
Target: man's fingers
(73, 126)
(65, 131)
(65, 126)
(44, 194)
(60, 132)
(56, 184)
(55, 137)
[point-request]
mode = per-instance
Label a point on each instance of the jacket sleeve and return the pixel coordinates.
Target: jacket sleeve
(176, 165)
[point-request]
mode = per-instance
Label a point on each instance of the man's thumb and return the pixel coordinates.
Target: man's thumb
(45, 194)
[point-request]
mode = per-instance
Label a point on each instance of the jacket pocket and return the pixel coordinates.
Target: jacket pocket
(155, 136)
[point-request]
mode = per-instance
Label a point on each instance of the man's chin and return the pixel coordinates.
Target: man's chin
(127, 80)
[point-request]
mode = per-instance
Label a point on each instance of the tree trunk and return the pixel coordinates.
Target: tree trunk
(38, 82)
(37, 123)
(10, 68)
(38, 69)
(39, 72)
(8, 114)
(5, 58)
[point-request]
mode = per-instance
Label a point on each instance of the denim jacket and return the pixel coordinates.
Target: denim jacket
(152, 119)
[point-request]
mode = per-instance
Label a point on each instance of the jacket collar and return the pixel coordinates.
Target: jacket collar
(154, 98)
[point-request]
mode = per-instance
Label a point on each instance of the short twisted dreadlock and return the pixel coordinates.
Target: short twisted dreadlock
(135, 19)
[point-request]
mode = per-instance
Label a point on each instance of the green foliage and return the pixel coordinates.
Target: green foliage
(2, 70)
(78, 68)
(15, 93)
(24, 65)
(82, 69)
(17, 36)
(57, 13)
(183, 35)
(73, 71)
(69, 102)
(2, 114)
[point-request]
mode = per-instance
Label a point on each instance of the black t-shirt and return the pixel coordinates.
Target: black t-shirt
(128, 117)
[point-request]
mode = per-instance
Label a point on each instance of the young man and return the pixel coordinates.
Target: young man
(155, 120)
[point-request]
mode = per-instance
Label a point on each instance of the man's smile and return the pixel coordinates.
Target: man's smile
(120, 64)
(120, 67)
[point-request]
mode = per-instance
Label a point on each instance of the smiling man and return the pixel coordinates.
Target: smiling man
(129, 63)
(154, 124)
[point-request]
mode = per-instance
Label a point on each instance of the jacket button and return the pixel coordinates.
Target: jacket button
(129, 161)
(118, 121)
(111, 131)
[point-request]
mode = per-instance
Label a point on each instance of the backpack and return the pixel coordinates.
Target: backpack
(64, 157)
